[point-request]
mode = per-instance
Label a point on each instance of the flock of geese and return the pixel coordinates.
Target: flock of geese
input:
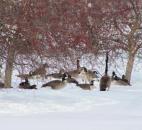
(63, 78)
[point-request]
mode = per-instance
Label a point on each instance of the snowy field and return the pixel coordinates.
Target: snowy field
(72, 108)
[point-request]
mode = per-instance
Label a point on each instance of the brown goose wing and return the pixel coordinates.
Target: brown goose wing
(52, 83)
(55, 75)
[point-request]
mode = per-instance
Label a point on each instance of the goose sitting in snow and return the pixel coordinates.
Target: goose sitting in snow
(87, 86)
(26, 85)
(115, 77)
(119, 81)
(56, 84)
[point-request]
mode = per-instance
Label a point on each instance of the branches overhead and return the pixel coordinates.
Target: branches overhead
(51, 28)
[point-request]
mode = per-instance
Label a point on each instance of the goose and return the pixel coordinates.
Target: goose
(87, 86)
(32, 87)
(40, 71)
(115, 77)
(88, 75)
(78, 64)
(56, 84)
(119, 81)
(105, 81)
(26, 85)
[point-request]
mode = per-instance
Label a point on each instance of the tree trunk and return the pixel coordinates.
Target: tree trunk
(129, 67)
(9, 67)
(0, 70)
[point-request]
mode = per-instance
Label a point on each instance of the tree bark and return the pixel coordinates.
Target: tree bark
(129, 67)
(9, 67)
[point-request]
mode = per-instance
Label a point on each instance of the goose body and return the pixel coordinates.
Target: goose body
(105, 83)
(119, 81)
(87, 86)
(56, 84)
(32, 87)
(26, 85)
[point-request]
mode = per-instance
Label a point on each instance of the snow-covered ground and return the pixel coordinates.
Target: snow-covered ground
(72, 108)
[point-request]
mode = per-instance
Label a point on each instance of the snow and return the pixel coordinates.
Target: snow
(72, 108)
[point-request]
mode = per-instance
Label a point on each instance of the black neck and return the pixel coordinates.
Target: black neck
(78, 64)
(106, 67)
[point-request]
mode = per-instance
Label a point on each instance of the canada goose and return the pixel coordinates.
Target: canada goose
(41, 71)
(105, 80)
(56, 84)
(88, 75)
(71, 80)
(78, 64)
(56, 75)
(26, 85)
(119, 81)
(87, 86)
(115, 77)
